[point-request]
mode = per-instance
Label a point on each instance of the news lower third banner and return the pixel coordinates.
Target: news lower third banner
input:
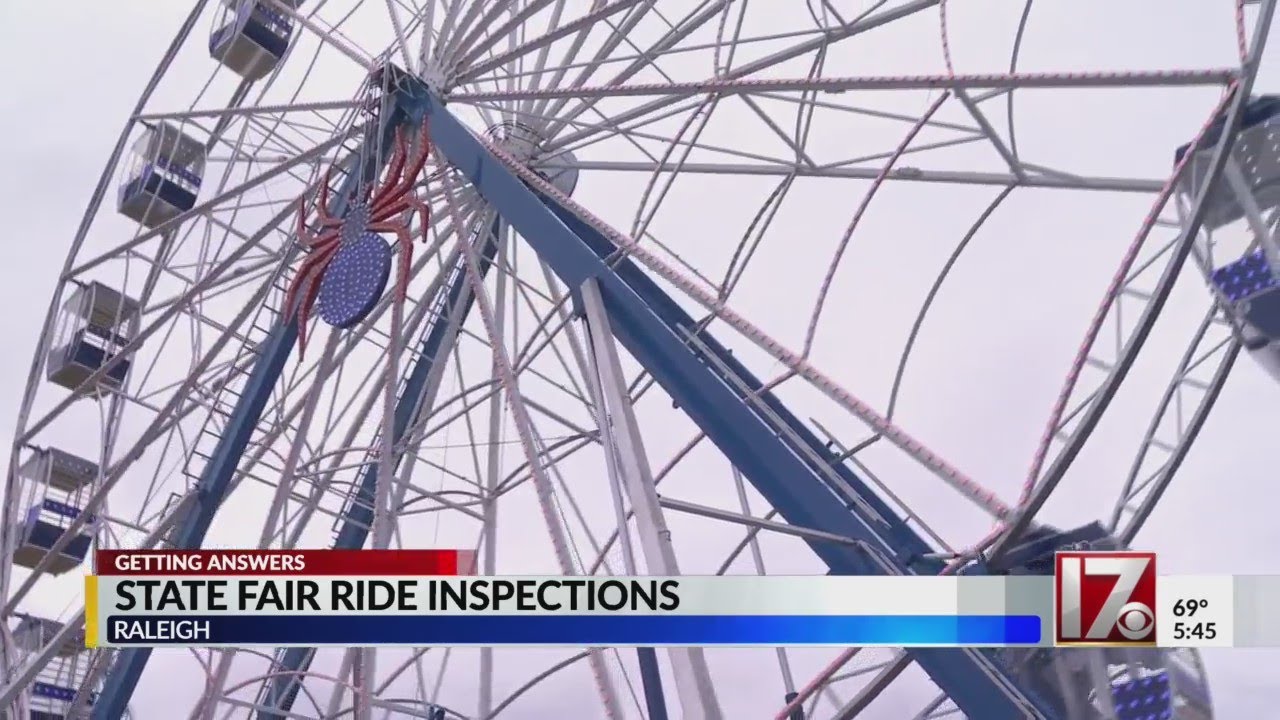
(429, 597)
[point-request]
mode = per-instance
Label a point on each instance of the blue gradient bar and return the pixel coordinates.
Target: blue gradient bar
(587, 630)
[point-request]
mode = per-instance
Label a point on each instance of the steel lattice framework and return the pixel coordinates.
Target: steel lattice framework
(531, 315)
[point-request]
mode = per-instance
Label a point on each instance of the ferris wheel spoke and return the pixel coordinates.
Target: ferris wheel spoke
(916, 175)
(674, 35)
(648, 109)
(1041, 484)
(885, 675)
(473, 70)
(541, 480)
(607, 130)
(331, 36)
(603, 131)
(615, 37)
(935, 709)
(868, 21)
(288, 472)
(307, 157)
(743, 85)
(944, 470)
(447, 26)
(155, 326)
(402, 39)
(239, 279)
(464, 41)
(233, 111)
(539, 65)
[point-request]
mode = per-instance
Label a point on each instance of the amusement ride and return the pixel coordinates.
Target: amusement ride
(642, 287)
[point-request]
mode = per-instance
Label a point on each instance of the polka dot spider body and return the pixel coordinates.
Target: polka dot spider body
(348, 263)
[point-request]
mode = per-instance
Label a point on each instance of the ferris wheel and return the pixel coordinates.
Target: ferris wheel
(641, 287)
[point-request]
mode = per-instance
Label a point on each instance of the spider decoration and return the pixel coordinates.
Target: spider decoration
(348, 263)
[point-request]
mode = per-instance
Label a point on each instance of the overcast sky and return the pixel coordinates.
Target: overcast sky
(989, 362)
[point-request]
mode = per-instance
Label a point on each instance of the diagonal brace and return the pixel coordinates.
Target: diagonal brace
(970, 677)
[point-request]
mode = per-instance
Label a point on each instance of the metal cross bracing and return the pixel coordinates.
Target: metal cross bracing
(835, 85)
(232, 372)
(129, 664)
(321, 481)
(355, 522)
(99, 193)
(628, 465)
(191, 393)
(656, 332)
(842, 29)
(219, 277)
(916, 549)
(1044, 477)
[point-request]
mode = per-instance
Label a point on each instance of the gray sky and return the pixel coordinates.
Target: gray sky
(985, 372)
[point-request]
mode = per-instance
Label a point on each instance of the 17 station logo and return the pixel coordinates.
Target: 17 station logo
(1105, 598)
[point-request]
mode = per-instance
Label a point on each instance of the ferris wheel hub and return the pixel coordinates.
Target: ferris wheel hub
(434, 76)
(516, 139)
(523, 143)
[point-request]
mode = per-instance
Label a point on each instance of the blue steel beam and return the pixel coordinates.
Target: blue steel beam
(357, 519)
(909, 546)
(974, 682)
(126, 671)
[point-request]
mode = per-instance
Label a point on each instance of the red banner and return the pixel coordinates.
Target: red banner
(285, 562)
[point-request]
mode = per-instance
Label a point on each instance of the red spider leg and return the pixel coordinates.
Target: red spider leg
(322, 238)
(408, 202)
(327, 219)
(398, 154)
(424, 213)
(388, 204)
(305, 238)
(398, 157)
(308, 239)
(316, 271)
(411, 174)
(406, 254)
(320, 253)
(388, 209)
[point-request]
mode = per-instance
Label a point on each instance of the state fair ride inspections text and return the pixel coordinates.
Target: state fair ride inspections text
(292, 595)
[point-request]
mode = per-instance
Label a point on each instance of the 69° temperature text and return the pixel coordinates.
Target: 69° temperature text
(1187, 607)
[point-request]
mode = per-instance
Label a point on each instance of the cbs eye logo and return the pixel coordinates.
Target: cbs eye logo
(1136, 621)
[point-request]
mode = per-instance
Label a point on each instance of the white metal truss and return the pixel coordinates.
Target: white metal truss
(763, 174)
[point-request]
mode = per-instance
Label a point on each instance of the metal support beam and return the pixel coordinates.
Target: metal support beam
(575, 251)
(755, 522)
(750, 390)
(618, 420)
(123, 677)
(1089, 419)
(872, 689)
(357, 519)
